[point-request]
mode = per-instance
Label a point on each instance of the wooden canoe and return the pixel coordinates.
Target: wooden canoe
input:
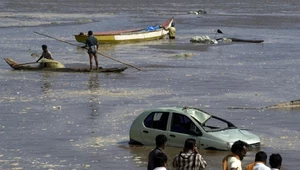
(16, 66)
(246, 40)
(132, 35)
(241, 40)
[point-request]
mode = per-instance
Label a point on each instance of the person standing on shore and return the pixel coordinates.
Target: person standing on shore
(233, 161)
(92, 44)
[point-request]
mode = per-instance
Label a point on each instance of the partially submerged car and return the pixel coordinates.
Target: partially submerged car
(180, 123)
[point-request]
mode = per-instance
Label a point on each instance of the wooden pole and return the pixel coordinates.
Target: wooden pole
(85, 48)
(26, 63)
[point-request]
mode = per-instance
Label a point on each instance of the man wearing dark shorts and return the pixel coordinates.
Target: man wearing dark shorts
(92, 44)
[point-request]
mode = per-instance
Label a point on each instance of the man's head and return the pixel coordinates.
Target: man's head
(261, 156)
(44, 47)
(240, 148)
(189, 144)
(90, 33)
(161, 141)
(173, 24)
(160, 160)
(275, 160)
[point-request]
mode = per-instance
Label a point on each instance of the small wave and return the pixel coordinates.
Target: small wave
(35, 19)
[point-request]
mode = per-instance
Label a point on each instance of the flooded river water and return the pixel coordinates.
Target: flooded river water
(81, 120)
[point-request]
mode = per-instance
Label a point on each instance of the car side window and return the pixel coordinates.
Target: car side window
(157, 120)
(183, 124)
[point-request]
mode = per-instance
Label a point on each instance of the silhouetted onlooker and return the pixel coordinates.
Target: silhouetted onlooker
(160, 161)
(275, 161)
(160, 141)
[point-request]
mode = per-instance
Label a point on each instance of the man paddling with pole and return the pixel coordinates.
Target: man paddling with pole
(46, 53)
(92, 44)
(47, 60)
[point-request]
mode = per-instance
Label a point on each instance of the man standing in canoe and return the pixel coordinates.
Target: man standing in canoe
(92, 44)
(46, 53)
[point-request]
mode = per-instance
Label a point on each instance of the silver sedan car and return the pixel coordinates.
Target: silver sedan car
(180, 123)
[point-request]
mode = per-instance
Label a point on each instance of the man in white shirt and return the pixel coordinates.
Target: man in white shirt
(259, 162)
(261, 159)
(260, 166)
(233, 161)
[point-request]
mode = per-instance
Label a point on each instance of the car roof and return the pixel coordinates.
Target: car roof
(196, 113)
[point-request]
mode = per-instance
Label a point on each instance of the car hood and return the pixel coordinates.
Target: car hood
(232, 135)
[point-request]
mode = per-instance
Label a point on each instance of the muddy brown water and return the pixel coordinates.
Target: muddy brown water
(82, 121)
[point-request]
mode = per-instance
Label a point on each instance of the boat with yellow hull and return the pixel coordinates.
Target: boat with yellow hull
(132, 35)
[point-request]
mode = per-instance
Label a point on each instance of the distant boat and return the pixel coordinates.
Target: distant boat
(56, 66)
(132, 35)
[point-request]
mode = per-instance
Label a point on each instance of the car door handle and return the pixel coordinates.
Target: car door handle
(145, 131)
(173, 136)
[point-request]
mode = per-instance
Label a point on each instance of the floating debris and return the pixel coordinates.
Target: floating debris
(203, 39)
(294, 104)
(200, 11)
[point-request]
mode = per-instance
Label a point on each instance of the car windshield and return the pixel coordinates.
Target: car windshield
(217, 124)
(198, 114)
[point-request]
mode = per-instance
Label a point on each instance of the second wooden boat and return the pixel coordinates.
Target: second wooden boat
(132, 35)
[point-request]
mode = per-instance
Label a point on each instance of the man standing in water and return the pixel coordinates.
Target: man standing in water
(233, 161)
(160, 141)
(190, 157)
(275, 161)
(46, 54)
(259, 162)
(92, 44)
(172, 31)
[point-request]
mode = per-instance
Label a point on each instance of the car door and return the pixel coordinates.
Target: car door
(154, 124)
(181, 128)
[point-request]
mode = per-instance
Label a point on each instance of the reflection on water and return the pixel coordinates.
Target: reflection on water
(46, 82)
(93, 83)
(93, 86)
